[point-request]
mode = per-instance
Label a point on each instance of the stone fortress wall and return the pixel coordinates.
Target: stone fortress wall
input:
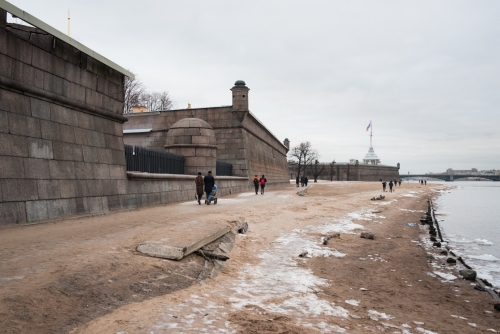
(241, 138)
(61, 131)
(353, 172)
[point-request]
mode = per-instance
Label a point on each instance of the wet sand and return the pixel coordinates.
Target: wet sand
(352, 285)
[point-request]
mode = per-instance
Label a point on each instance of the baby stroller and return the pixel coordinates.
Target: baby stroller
(214, 196)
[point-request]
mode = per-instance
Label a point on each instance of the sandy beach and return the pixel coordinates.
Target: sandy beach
(84, 276)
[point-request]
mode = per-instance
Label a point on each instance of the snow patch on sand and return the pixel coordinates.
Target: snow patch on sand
(374, 315)
(337, 225)
(445, 276)
(246, 194)
(11, 278)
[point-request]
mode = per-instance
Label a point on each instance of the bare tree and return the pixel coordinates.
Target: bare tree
(301, 156)
(134, 88)
(136, 95)
(315, 171)
(156, 101)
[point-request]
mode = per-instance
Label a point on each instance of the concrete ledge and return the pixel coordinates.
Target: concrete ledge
(183, 240)
(191, 145)
(151, 176)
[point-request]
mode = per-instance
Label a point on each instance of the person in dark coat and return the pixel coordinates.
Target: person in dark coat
(263, 181)
(199, 187)
(305, 180)
(297, 180)
(384, 185)
(256, 182)
(400, 183)
(209, 183)
(302, 181)
(390, 185)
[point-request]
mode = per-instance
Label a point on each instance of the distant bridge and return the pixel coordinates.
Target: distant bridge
(451, 177)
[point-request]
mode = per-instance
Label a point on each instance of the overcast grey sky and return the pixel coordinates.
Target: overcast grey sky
(426, 72)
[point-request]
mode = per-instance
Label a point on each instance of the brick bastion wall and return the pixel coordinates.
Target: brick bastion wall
(61, 135)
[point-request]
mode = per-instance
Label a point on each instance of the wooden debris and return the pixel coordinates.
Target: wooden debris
(330, 236)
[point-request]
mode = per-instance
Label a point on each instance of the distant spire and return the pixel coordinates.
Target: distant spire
(69, 26)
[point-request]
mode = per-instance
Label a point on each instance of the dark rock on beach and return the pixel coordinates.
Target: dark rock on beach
(243, 229)
(445, 253)
(468, 274)
(367, 235)
(437, 244)
(451, 260)
(497, 307)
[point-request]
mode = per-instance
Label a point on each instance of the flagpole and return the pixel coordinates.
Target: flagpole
(371, 129)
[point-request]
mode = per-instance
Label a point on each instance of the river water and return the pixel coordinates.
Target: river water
(468, 214)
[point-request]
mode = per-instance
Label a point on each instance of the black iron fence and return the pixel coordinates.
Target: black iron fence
(224, 169)
(140, 159)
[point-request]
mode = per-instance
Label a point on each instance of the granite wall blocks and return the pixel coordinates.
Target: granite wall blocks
(62, 170)
(48, 189)
(48, 62)
(67, 133)
(53, 83)
(13, 102)
(33, 77)
(96, 139)
(4, 122)
(86, 121)
(12, 212)
(19, 49)
(60, 207)
(90, 154)
(67, 151)
(12, 168)
(63, 115)
(81, 136)
(104, 155)
(36, 168)
(93, 204)
(13, 145)
(40, 148)
(18, 190)
(40, 109)
(36, 210)
(73, 91)
(70, 188)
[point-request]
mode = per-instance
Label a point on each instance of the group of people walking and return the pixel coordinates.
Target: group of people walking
(259, 182)
(422, 182)
(206, 184)
(303, 180)
(391, 185)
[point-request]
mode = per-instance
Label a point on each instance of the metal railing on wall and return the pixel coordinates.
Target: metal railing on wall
(224, 169)
(141, 159)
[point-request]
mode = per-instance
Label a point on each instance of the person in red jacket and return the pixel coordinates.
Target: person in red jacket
(263, 181)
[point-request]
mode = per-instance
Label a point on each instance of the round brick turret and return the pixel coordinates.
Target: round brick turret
(195, 140)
